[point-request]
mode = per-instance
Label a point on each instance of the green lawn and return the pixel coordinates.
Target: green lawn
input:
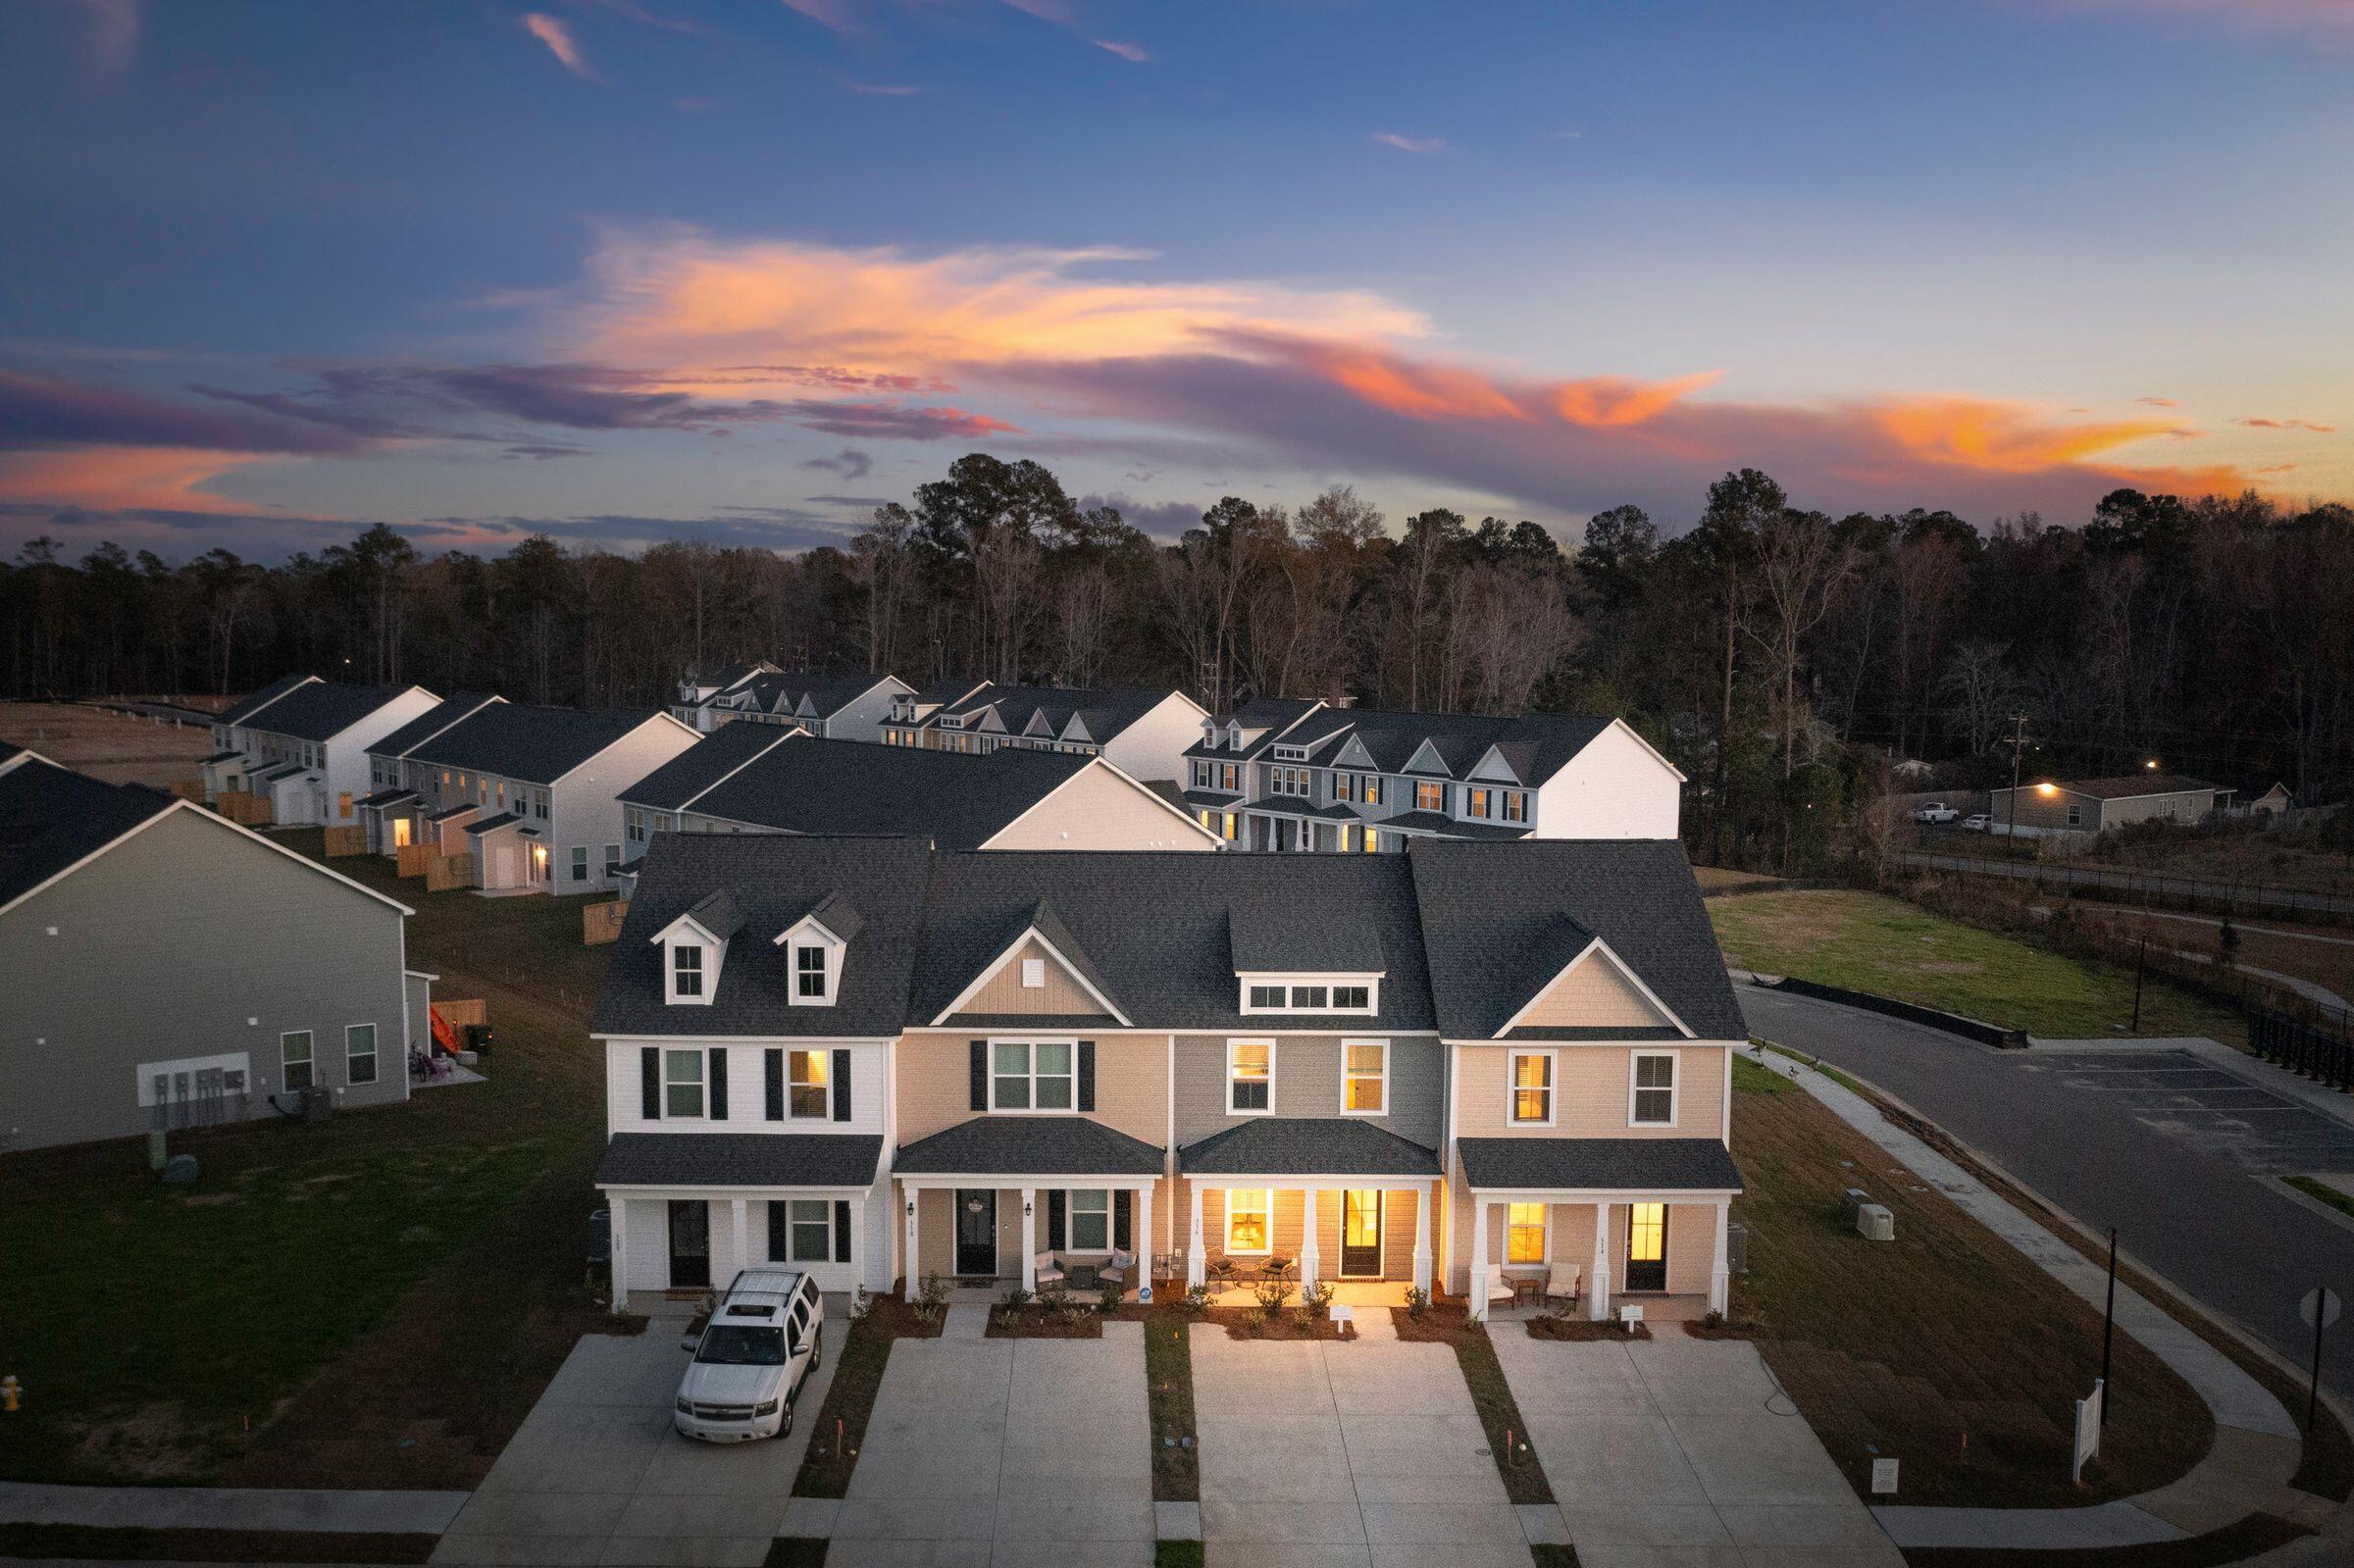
(378, 1297)
(1866, 941)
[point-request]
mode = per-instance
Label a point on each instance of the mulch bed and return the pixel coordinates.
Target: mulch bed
(211, 1545)
(1044, 1323)
(1583, 1331)
(850, 1398)
(1250, 1323)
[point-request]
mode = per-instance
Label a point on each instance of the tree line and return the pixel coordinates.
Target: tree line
(1780, 656)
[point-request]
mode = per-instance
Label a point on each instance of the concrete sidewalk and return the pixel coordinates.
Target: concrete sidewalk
(393, 1513)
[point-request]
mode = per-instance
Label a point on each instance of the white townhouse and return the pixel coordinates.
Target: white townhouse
(1298, 774)
(302, 744)
(849, 707)
(1141, 730)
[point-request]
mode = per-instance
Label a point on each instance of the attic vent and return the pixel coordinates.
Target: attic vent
(1033, 974)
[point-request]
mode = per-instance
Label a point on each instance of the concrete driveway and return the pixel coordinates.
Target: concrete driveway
(596, 1476)
(1344, 1455)
(1684, 1453)
(1004, 1451)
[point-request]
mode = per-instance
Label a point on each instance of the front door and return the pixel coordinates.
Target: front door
(1646, 1247)
(689, 1243)
(1361, 1234)
(400, 833)
(975, 1231)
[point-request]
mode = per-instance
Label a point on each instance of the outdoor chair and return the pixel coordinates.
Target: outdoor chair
(1050, 1272)
(1563, 1282)
(1115, 1271)
(1498, 1290)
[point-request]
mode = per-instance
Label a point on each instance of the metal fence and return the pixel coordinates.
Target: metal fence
(2321, 1051)
(2329, 903)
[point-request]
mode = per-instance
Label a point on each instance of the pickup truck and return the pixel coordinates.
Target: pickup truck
(1936, 812)
(751, 1358)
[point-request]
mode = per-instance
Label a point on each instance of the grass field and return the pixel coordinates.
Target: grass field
(115, 747)
(1867, 942)
(382, 1297)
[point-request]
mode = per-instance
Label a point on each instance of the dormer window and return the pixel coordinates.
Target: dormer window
(686, 972)
(816, 945)
(809, 971)
(1306, 993)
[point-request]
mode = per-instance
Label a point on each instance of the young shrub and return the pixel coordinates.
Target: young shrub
(1418, 1300)
(1017, 1298)
(1272, 1294)
(1318, 1298)
(1197, 1298)
(932, 1300)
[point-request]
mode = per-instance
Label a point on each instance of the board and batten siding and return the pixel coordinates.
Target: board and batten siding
(1060, 996)
(165, 945)
(934, 1081)
(1307, 1082)
(1590, 1091)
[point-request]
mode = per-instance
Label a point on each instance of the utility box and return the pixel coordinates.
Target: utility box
(1736, 1248)
(317, 1102)
(480, 1039)
(1875, 1223)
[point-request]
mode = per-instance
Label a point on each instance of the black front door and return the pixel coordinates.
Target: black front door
(689, 1243)
(1647, 1247)
(976, 1230)
(1361, 1234)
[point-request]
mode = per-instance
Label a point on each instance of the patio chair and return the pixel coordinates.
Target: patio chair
(1115, 1272)
(1563, 1282)
(1050, 1272)
(1497, 1291)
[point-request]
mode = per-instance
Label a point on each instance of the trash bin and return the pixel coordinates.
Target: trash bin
(479, 1039)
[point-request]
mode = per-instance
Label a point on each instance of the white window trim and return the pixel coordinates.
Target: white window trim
(1505, 1252)
(811, 932)
(373, 1053)
(1346, 1108)
(311, 1062)
(792, 1224)
(1227, 1223)
(815, 1054)
(1070, 1215)
(1512, 1087)
(1371, 982)
(1031, 1075)
(670, 971)
(1033, 974)
(702, 1083)
(1251, 1040)
(1675, 1088)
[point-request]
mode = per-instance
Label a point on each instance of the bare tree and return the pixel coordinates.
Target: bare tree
(1800, 567)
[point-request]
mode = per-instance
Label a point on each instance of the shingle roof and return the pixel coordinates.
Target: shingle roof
(490, 825)
(696, 769)
(1028, 1145)
(263, 698)
(1105, 712)
(1534, 745)
(321, 711)
(1437, 822)
(458, 810)
(827, 695)
(384, 797)
(1304, 1145)
(2132, 784)
(1266, 935)
(740, 1159)
(518, 741)
(1488, 911)
(815, 786)
(223, 756)
(718, 913)
(51, 816)
(432, 722)
(1598, 1164)
(837, 914)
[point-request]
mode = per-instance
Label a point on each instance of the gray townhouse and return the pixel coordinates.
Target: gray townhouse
(1298, 773)
(1460, 1066)
(166, 968)
(845, 707)
(759, 779)
(302, 744)
(1141, 730)
(532, 793)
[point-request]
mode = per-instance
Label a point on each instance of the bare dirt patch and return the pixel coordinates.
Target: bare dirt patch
(120, 748)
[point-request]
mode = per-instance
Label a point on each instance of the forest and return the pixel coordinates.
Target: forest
(1784, 658)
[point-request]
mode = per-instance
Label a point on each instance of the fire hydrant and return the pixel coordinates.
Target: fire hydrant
(11, 1391)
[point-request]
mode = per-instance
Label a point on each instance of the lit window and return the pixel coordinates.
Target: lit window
(359, 1055)
(1372, 841)
(1029, 1076)
(1477, 806)
(1089, 1219)
(806, 1071)
(681, 1082)
(1653, 1092)
(1431, 798)
(294, 1057)
(685, 969)
(1230, 827)
(1250, 1075)
(1532, 1086)
(1247, 1213)
(1365, 1074)
(1524, 1233)
(1372, 790)
(1515, 805)
(1230, 777)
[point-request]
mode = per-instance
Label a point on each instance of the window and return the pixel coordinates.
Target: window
(2076, 815)
(1203, 774)
(540, 803)
(1351, 998)
(1268, 995)
(685, 970)
(633, 825)
(612, 859)
(805, 1086)
(1515, 805)
(1033, 974)
(343, 804)
(1365, 1076)
(1372, 841)
(1310, 998)
(1031, 1076)
(1230, 827)
(1089, 1219)
(1650, 1098)
(1283, 996)
(1344, 787)
(1524, 1233)
(809, 970)
(580, 862)
(1250, 1076)
(1230, 777)
(1533, 1087)
(294, 1055)
(1370, 791)
(681, 1082)
(359, 1055)
(1288, 782)
(1430, 796)
(1249, 1213)
(1476, 803)
(812, 1227)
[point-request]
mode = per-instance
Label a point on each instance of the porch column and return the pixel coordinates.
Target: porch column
(1308, 1256)
(744, 1254)
(618, 1245)
(1029, 1239)
(1197, 1261)
(863, 1269)
(1141, 1239)
(912, 1193)
(1720, 1278)
(1424, 1197)
(1598, 1290)
(1477, 1295)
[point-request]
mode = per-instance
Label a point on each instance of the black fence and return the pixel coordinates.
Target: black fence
(1911, 1012)
(2004, 860)
(2309, 1046)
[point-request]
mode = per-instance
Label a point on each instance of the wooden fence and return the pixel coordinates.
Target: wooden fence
(242, 807)
(345, 841)
(601, 923)
(457, 1014)
(413, 860)
(442, 872)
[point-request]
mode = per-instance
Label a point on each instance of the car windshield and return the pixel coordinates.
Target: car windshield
(735, 1345)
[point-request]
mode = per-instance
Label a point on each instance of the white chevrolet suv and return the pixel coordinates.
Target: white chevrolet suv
(751, 1359)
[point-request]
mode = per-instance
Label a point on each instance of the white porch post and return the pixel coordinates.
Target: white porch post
(1197, 1261)
(1720, 1276)
(1477, 1295)
(744, 1237)
(912, 1194)
(1141, 1239)
(1424, 1197)
(1308, 1255)
(618, 1245)
(1598, 1295)
(1029, 1239)
(860, 1270)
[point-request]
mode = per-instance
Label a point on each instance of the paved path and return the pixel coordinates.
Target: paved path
(2176, 1145)
(401, 1513)
(1681, 1452)
(1365, 1454)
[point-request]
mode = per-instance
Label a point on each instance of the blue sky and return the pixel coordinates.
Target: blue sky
(476, 269)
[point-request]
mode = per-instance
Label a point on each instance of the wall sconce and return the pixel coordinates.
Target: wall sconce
(911, 1208)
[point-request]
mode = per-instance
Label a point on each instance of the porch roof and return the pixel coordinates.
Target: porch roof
(1599, 1165)
(448, 812)
(223, 757)
(1306, 1145)
(740, 1159)
(1028, 1145)
(377, 801)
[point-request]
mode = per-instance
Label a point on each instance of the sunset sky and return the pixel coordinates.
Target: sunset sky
(623, 270)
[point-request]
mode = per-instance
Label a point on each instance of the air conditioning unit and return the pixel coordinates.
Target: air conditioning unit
(1875, 1223)
(316, 1103)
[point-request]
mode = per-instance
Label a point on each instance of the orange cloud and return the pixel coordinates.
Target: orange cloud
(2004, 437)
(125, 478)
(559, 40)
(2259, 424)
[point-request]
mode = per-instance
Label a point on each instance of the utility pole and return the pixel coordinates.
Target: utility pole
(2019, 740)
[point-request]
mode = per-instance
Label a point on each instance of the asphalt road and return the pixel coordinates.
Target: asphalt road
(2175, 1153)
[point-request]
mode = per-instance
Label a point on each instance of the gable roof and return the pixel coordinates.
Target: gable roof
(1039, 921)
(2128, 786)
(263, 698)
(51, 816)
(432, 722)
(1029, 1146)
(827, 695)
(521, 741)
(321, 710)
(815, 786)
(676, 783)
(1105, 712)
(1534, 745)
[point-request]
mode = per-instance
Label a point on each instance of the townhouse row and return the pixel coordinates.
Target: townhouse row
(878, 1061)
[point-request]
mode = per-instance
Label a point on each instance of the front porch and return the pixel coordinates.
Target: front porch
(1314, 1200)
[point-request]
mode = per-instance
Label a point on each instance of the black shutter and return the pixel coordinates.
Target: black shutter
(776, 1085)
(980, 1075)
(649, 1080)
(780, 1233)
(1054, 1219)
(841, 1086)
(842, 1230)
(1121, 1197)
(1087, 1075)
(719, 1083)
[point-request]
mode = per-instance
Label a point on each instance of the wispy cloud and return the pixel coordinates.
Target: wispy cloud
(2158, 402)
(887, 89)
(850, 463)
(634, 11)
(114, 28)
(2257, 421)
(831, 14)
(553, 32)
(1390, 138)
(1134, 53)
